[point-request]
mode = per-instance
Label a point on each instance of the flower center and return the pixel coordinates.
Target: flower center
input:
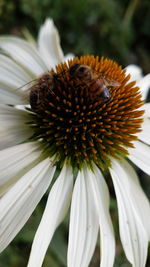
(86, 111)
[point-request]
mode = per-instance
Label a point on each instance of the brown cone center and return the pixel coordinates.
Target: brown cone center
(86, 111)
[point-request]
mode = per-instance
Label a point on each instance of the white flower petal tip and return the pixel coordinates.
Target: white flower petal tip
(134, 213)
(49, 44)
(140, 156)
(17, 205)
(90, 209)
(56, 208)
(135, 72)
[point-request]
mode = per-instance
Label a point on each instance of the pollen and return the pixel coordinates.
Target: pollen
(86, 111)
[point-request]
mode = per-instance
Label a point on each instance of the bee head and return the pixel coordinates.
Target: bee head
(80, 71)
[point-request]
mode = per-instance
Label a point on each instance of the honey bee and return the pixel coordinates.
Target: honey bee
(40, 90)
(98, 85)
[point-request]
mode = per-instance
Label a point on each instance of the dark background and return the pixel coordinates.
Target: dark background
(116, 29)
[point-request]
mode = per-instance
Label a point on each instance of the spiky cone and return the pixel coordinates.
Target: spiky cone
(79, 127)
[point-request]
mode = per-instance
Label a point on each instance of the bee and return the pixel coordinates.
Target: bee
(98, 85)
(40, 90)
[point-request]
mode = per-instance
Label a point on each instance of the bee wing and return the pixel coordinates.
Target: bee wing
(26, 89)
(27, 86)
(110, 82)
(30, 84)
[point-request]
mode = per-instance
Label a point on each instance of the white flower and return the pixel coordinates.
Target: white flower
(26, 171)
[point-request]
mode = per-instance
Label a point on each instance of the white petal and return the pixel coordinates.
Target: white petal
(144, 85)
(134, 212)
(12, 74)
(55, 211)
(135, 72)
(8, 97)
(144, 135)
(101, 197)
(140, 156)
(146, 107)
(142, 82)
(49, 44)
(15, 162)
(14, 126)
(24, 53)
(19, 202)
(84, 224)
(12, 77)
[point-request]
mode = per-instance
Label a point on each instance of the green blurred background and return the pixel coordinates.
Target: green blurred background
(117, 29)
